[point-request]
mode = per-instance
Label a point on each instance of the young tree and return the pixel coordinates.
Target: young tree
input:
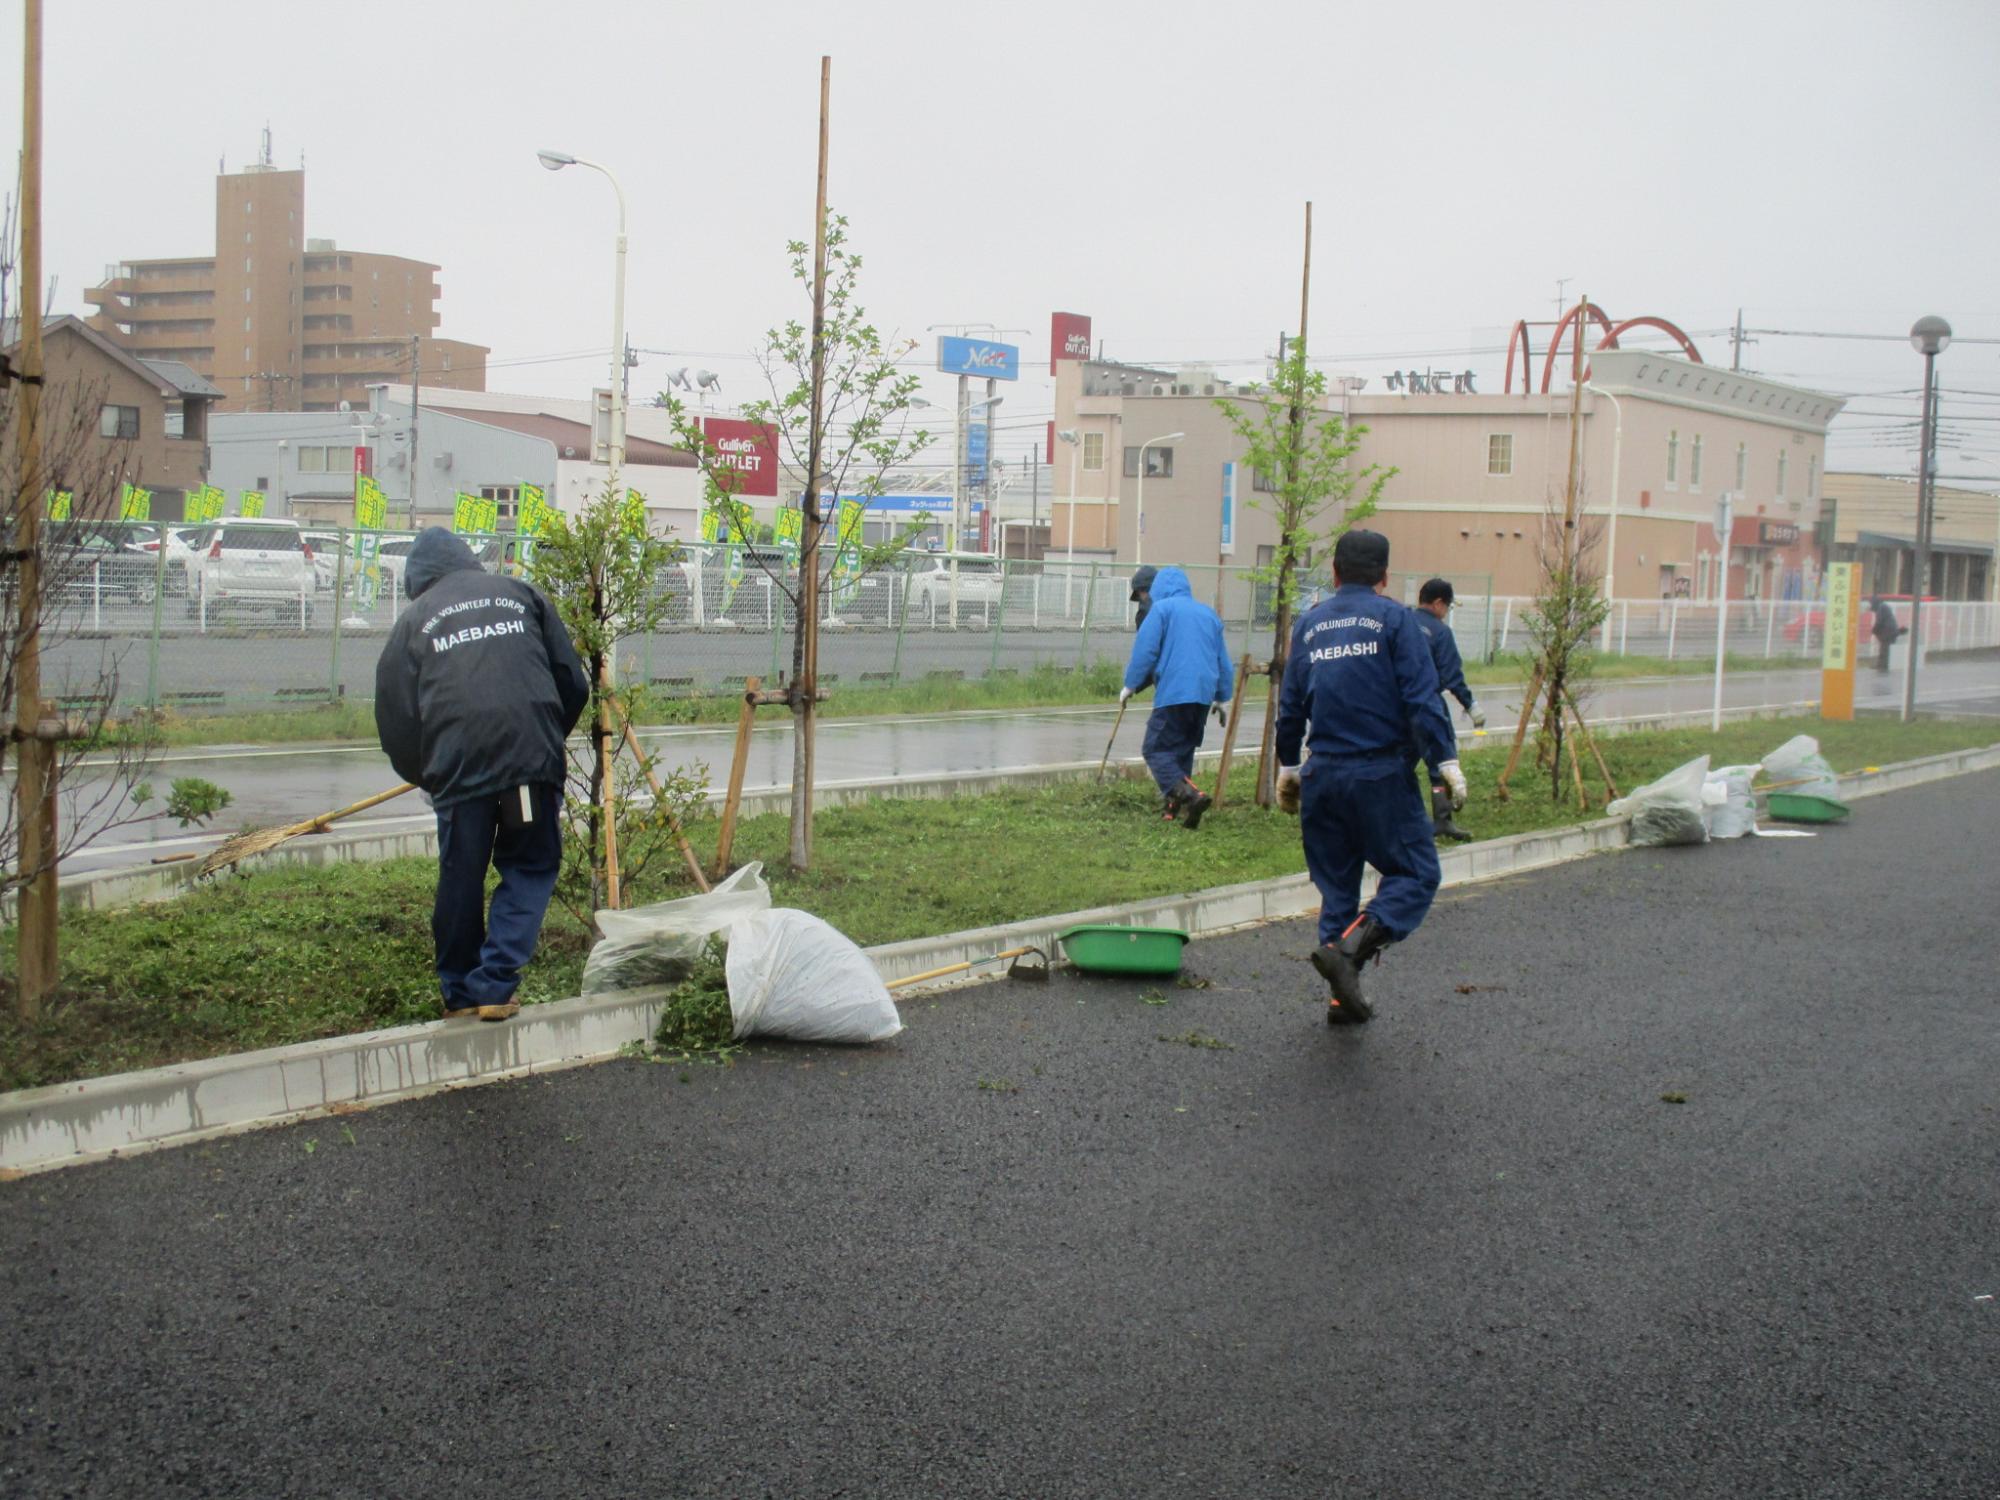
(1300, 448)
(1568, 608)
(600, 568)
(862, 432)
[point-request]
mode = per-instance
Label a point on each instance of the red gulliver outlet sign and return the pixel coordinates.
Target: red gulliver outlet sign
(750, 450)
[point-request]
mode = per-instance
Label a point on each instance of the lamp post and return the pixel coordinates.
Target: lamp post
(1139, 525)
(1930, 337)
(555, 161)
(1611, 531)
(1074, 439)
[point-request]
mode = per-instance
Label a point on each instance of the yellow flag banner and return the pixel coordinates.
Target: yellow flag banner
(534, 511)
(252, 504)
(61, 504)
(208, 503)
(135, 504)
(371, 506)
(465, 513)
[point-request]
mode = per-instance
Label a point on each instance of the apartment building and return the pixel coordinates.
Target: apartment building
(279, 321)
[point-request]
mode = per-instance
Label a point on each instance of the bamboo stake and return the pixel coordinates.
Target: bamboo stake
(1229, 734)
(1589, 739)
(659, 800)
(1576, 774)
(1528, 702)
(1267, 743)
(606, 787)
(745, 721)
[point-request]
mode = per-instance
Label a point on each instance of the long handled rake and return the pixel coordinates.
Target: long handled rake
(1113, 740)
(253, 841)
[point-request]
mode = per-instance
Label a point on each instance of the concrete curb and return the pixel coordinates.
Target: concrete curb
(65, 1124)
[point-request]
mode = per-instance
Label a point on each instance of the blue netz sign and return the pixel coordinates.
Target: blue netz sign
(958, 356)
(929, 504)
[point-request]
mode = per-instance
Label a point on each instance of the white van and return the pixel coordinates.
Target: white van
(254, 562)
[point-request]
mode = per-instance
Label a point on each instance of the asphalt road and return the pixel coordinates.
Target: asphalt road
(287, 782)
(1030, 1248)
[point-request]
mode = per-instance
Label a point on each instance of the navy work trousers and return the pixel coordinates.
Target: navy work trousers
(1173, 734)
(480, 953)
(1356, 812)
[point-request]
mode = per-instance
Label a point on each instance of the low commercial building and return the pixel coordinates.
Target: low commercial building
(1476, 476)
(1871, 519)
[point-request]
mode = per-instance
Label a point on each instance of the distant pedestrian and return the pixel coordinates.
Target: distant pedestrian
(1434, 605)
(1886, 628)
(1360, 676)
(1179, 651)
(477, 688)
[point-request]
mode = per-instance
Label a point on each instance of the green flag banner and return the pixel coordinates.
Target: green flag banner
(252, 504)
(465, 513)
(135, 504)
(207, 503)
(371, 506)
(535, 511)
(61, 503)
(791, 524)
(371, 509)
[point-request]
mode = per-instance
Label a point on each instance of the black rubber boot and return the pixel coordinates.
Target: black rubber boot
(1197, 802)
(1340, 965)
(1172, 811)
(1442, 826)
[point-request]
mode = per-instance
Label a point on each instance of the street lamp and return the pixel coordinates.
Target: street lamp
(1930, 337)
(1074, 439)
(1139, 534)
(555, 161)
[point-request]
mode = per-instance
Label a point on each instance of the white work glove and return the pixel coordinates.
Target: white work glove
(1455, 779)
(1123, 694)
(1478, 716)
(1288, 788)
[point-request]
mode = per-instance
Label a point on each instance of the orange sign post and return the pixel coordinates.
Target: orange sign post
(1836, 691)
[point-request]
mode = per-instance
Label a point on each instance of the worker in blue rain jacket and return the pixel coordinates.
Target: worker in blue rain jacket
(1180, 650)
(1434, 601)
(1359, 689)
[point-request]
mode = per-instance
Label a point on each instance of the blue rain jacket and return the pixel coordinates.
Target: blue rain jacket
(1180, 647)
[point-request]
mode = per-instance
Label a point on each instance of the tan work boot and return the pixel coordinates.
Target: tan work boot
(501, 1011)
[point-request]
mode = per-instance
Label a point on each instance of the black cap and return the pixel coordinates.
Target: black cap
(1142, 581)
(1361, 553)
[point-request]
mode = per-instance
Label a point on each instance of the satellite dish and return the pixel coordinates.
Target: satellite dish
(347, 406)
(708, 380)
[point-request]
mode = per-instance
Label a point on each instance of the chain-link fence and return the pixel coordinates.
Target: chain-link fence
(241, 615)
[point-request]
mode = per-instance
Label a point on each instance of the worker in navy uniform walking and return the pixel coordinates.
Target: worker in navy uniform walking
(1181, 651)
(1361, 676)
(1434, 601)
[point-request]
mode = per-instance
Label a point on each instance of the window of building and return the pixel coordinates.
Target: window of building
(312, 460)
(1500, 454)
(118, 422)
(1673, 458)
(263, 481)
(246, 272)
(1701, 577)
(1262, 483)
(246, 236)
(1784, 470)
(1742, 468)
(1159, 463)
(504, 496)
(1812, 476)
(1093, 452)
(339, 459)
(246, 290)
(246, 325)
(1694, 464)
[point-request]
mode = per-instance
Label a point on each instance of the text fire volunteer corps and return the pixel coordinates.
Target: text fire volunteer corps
(516, 626)
(1346, 648)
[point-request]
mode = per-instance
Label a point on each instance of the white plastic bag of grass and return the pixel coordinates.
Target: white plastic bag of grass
(1671, 810)
(1736, 814)
(644, 946)
(793, 976)
(1799, 763)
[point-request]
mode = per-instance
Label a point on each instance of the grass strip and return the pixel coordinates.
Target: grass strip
(289, 955)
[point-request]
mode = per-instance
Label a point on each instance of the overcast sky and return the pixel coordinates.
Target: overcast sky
(1824, 166)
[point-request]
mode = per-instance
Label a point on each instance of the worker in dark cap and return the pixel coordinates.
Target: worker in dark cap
(1359, 689)
(1434, 601)
(1142, 594)
(1181, 654)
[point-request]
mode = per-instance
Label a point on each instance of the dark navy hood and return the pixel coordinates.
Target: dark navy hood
(436, 553)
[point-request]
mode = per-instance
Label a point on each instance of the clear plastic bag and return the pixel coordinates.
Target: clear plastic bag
(1671, 810)
(793, 976)
(1736, 814)
(645, 946)
(1799, 763)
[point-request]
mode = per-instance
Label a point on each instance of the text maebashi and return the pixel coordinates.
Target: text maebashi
(464, 604)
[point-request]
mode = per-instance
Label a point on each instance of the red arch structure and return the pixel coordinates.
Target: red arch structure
(1575, 319)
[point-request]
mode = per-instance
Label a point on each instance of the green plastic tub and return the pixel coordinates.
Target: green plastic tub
(1797, 807)
(1100, 948)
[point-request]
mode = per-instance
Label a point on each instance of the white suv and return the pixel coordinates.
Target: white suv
(254, 562)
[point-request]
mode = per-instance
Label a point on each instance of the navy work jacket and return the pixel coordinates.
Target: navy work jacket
(1360, 673)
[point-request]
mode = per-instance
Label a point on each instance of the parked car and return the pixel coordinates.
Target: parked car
(325, 549)
(980, 582)
(255, 562)
(83, 562)
(182, 543)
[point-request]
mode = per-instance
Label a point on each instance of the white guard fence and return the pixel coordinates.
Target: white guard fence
(202, 618)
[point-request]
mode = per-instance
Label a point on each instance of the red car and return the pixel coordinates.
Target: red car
(1815, 619)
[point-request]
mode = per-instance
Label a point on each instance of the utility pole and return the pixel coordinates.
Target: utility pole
(416, 362)
(35, 785)
(1736, 342)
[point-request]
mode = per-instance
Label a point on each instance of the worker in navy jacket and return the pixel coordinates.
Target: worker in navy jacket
(1359, 690)
(1434, 601)
(1180, 650)
(477, 688)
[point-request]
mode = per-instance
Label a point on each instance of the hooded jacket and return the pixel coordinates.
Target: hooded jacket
(478, 685)
(1180, 647)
